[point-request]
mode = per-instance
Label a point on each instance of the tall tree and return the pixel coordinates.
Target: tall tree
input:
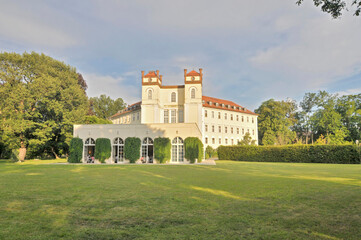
(104, 107)
(275, 121)
(40, 100)
(336, 7)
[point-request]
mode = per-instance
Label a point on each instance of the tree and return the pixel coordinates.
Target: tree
(275, 121)
(162, 148)
(104, 107)
(132, 149)
(103, 149)
(95, 120)
(336, 7)
(40, 100)
(247, 140)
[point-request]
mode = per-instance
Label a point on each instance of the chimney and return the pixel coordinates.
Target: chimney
(200, 71)
(157, 73)
(160, 77)
(142, 74)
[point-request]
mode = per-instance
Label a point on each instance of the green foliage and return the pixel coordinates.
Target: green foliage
(15, 155)
(132, 149)
(104, 107)
(40, 100)
(210, 152)
(274, 122)
(162, 149)
(103, 149)
(75, 150)
(336, 7)
(193, 149)
(96, 120)
(292, 153)
(247, 140)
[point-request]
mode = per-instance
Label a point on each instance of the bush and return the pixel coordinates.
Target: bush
(292, 153)
(162, 148)
(132, 149)
(193, 149)
(103, 149)
(210, 152)
(75, 150)
(15, 155)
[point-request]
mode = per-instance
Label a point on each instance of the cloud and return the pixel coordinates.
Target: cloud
(115, 87)
(351, 91)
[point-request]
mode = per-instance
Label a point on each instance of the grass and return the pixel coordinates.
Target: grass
(233, 200)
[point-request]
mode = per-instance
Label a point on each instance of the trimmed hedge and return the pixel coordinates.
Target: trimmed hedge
(132, 149)
(75, 150)
(346, 154)
(193, 149)
(162, 148)
(103, 149)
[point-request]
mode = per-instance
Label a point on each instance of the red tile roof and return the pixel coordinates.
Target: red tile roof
(193, 73)
(238, 108)
(151, 74)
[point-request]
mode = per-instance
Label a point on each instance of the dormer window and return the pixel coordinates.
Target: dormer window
(222, 104)
(217, 104)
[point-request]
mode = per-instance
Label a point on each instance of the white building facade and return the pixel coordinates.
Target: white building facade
(176, 112)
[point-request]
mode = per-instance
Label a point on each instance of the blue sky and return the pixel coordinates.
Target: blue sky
(250, 51)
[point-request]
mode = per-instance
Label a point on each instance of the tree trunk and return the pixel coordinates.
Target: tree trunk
(22, 154)
(55, 155)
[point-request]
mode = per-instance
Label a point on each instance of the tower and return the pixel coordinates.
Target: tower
(193, 96)
(151, 83)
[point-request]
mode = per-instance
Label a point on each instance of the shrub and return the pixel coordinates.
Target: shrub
(193, 149)
(210, 152)
(162, 147)
(15, 155)
(75, 150)
(132, 149)
(103, 149)
(291, 153)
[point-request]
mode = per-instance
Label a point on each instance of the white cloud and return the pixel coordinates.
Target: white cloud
(115, 87)
(351, 91)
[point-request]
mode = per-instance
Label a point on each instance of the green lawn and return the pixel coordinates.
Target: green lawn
(233, 200)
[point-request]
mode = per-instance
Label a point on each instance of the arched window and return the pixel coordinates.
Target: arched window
(193, 93)
(118, 150)
(147, 150)
(150, 94)
(177, 150)
(89, 150)
(173, 97)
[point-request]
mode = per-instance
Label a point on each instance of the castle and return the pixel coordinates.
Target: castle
(176, 112)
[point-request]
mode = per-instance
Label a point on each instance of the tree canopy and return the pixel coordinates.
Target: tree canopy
(40, 100)
(104, 107)
(336, 7)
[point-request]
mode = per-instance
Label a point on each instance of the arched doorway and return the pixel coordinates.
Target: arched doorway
(89, 150)
(147, 150)
(177, 150)
(118, 150)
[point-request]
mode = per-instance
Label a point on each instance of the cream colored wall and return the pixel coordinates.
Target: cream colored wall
(210, 121)
(141, 131)
(127, 118)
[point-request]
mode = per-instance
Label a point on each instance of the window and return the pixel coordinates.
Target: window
(180, 116)
(206, 140)
(252, 132)
(252, 120)
(166, 116)
(173, 116)
(177, 150)
(150, 93)
(193, 93)
(147, 150)
(237, 118)
(220, 141)
(137, 116)
(243, 131)
(219, 115)
(242, 119)
(225, 129)
(226, 141)
(205, 113)
(232, 130)
(237, 130)
(118, 150)
(248, 130)
(212, 128)
(225, 116)
(89, 149)
(231, 141)
(231, 117)
(206, 128)
(212, 114)
(133, 117)
(173, 97)
(219, 129)
(247, 119)
(213, 141)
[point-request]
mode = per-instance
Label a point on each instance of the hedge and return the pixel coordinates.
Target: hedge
(193, 149)
(347, 154)
(103, 149)
(75, 150)
(162, 148)
(132, 149)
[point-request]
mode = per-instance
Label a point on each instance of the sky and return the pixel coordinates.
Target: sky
(250, 51)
